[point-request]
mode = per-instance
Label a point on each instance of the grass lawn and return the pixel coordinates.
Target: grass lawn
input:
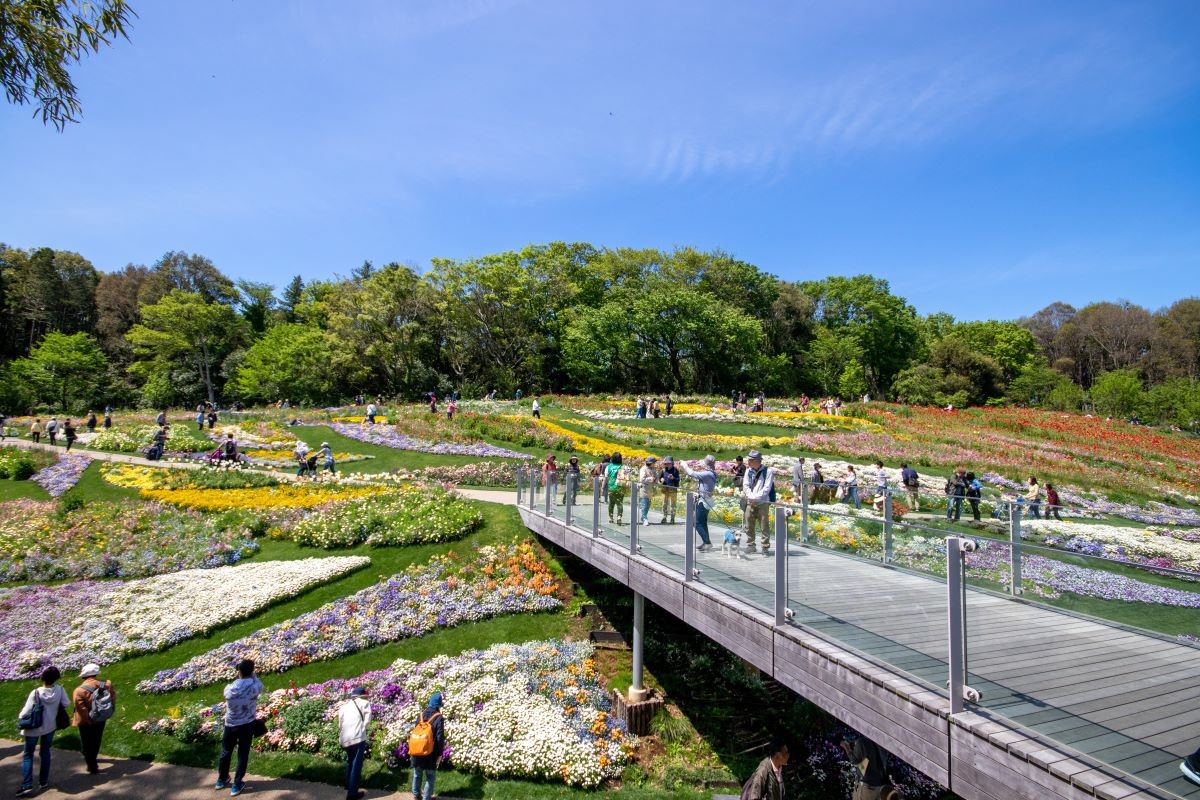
(17, 490)
(388, 459)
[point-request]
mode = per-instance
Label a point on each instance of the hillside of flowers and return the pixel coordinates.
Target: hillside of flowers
(410, 515)
(115, 540)
(447, 591)
(71, 624)
(532, 710)
(386, 436)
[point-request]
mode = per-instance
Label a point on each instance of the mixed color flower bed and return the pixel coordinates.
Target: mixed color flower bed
(109, 540)
(75, 623)
(387, 437)
(447, 591)
(533, 710)
(412, 515)
(487, 473)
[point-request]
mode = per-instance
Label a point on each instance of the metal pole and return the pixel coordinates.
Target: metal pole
(689, 537)
(568, 517)
(954, 607)
(781, 588)
(520, 473)
(1014, 548)
(547, 494)
(633, 518)
(637, 691)
(596, 505)
(533, 484)
(887, 526)
(804, 511)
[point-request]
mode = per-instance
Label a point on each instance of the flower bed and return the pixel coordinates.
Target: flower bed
(386, 437)
(447, 591)
(58, 478)
(284, 459)
(1161, 547)
(592, 445)
(488, 473)
(105, 540)
(76, 623)
(413, 515)
(180, 439)
(18, 464)
(534, 710)
(155, 483)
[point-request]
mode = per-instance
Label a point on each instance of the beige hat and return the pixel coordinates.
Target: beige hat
(90, 671)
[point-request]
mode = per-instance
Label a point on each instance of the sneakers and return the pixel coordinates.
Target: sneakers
(26, 791)
(751, 548)
(1190, 767)
(236, 789)
(221, 784)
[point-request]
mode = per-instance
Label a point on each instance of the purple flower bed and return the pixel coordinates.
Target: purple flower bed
(1157, 514)
(386, 436)
(58, 478)
(29, 611)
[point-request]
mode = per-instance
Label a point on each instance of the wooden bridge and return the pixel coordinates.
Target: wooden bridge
(1071, 707)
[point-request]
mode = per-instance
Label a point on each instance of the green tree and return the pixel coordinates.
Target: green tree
(64, 368)
(187, 272)
(827, 357)
(289, 361)
(183, 329)
(1034, 384)
(257, 303)
(1117, 393)
(293, 296)
(41, 39)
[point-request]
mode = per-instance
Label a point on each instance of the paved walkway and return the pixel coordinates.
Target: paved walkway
(145, 780)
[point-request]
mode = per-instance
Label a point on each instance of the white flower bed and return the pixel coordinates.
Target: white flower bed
(1182, 546)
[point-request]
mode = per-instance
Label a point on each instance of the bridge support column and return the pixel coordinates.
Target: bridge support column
(637, 689)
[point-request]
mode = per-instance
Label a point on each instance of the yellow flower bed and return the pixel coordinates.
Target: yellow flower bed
(688, 441)
(359, 420)
(591, 445)
(286, 455)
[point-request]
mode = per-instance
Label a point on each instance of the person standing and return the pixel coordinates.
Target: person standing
(706, 477)
(616, 488)
(818, 485)
(1033, 497)
(69, 434)
(451, 407)
(974, 492)
(537, 409)
(200, 417)
(758, 487)
(241, 710)
(51, 698)
(601, 471)
(52, 430)
(326, 453)
(433, 403)
(1052, 505)
(212, 419)
(647, 481)
(668, 479)
(300, 453)
(354, 716)
(550, 478)
(95, 701)
(804, 401)
(872, 764)
(956, 490)
(35, 431)
(640, 409)
(574, 476)
(739, 472)
(851, 483)
(107, 420)
(912, 486)
(370, 420)
(881, 487)
(1190, 766)
(425, 767)
(91, 422)
(767, 781)
(669, 405)
(798, 477)
(654, 412)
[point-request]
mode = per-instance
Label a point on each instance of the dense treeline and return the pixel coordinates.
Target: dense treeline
(561, 317)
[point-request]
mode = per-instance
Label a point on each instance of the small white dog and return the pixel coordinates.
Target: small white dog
(732, 546)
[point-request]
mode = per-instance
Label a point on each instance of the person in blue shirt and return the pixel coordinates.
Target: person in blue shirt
(669, 479)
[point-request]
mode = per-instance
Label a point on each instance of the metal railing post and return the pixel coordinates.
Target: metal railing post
(520, 475)
(568, 517)
(689, 537)
(549, 479)
(804, 511)
(596, 505)
(781, 554)
(888, 548)
(954, 579)
(1014, 548)
(633, 518)
(533, 483)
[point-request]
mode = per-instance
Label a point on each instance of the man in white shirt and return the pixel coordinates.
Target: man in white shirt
(758, 484)
(354, 716)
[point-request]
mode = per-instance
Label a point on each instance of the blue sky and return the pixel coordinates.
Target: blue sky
(986, 158)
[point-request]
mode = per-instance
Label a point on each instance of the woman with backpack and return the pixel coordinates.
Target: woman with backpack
(425, 746)
(974, 492)
(616, 489)
(95, 701)
(44, 709)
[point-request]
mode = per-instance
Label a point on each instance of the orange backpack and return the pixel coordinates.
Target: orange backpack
(421, 740)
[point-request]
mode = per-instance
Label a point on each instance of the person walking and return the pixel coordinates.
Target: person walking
(613, 475)
(433, 403)
(912, 486)
(38, 722)
(212, 419)
(161, 419)
(1033, 498)
(371, 410)
(69, 434)
(354, 716)
(798, 478)
(647, 482)
(669, 405)
(872, 764)
(767, 781)
(425, 767)
(1052, 505)
(668, 480)
(758, 489)
(300, 453)
(52, 430)
(974, 492)
(706, 477)
(601, 471)
(241, 711)
(537, 409)
(95, 701)
(35, 431)
(200, 417)
(107, 420)
(550, 478)
(956, 490)
(326, 453)
(451, 408)
(91, 422)
(851, 483)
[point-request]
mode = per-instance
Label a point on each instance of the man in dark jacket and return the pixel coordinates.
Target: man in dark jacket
(425, 767)
(767, 781)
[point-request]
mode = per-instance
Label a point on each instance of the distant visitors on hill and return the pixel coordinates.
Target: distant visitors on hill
(91, 422)
(670, 404)
(767, 781)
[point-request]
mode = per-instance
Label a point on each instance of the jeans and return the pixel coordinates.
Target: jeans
(42, 743)
(240, 736)
(702, 523)
(1035, 509)
(37, 437)
(954, 507)
(852, 496)
(644, 507)
(429, 775)
(974, 501)
(89, 739)
(354, 765)
(329, 466)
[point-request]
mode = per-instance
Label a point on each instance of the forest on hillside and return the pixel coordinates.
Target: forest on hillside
(561, 317)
